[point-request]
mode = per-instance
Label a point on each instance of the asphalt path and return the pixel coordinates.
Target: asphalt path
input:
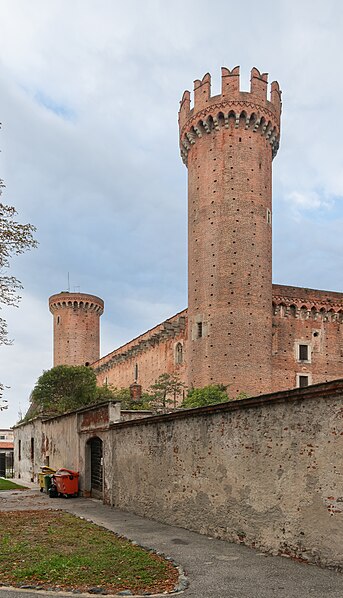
(214, 568)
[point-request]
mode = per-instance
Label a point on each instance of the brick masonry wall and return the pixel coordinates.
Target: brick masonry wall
(76, 328)
(227, 140)
(300, 316)
(266, 472)
(311, 317)
(145, 358)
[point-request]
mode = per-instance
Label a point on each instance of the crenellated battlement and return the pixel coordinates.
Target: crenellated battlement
(307, 304)
(251, 110)
(66, 300)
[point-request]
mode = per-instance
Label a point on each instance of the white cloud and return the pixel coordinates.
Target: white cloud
(301, 201)
(89, 98)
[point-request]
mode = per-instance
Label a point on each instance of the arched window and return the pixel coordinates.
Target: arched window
(179, 354)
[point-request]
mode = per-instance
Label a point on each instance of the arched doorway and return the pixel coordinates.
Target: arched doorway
(95, 465)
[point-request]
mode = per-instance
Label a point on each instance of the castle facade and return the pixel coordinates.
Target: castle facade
(239, 329)
(263, 470)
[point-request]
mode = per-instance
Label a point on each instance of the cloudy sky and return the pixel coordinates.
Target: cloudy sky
(89, 95)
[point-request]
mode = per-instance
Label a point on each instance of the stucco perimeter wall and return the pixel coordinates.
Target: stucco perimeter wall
(62, 441)
(26, 460)
(265, 471)
(55, 442)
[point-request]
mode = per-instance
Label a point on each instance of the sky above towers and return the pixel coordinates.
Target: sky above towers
(89, 95)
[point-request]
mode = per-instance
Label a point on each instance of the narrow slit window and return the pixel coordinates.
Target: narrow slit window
(269, 216)
(179, 354)
(199, 329)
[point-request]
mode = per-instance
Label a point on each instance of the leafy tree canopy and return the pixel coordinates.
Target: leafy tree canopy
(15, 238)
(208, 395)
(64, 388)
(124, 396)
(165, 391)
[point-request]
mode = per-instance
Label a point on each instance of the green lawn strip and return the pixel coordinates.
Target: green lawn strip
(8, 485)
(58, 549)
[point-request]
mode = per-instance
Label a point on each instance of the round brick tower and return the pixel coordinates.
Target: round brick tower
(76, 328)
(228, 143)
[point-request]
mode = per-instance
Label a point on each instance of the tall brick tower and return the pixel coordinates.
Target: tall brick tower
(228, 142)
(76, 327)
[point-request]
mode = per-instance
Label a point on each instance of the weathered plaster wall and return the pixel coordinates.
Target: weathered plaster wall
(56, 443)
(265, 471)
(62, 442)
(27, 464)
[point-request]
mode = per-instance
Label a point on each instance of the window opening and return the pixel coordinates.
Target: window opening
(32, 449)
(136, 372)
(179, 354)
(199, 329)
(303, 352)
(303, 381)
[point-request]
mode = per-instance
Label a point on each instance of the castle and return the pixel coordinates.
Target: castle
(265, 470)
(239, 329)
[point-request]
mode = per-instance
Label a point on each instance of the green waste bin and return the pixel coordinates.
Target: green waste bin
(41, 476)
(47, 482)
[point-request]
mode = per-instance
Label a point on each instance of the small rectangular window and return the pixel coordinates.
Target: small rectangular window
(199, 329)
(19, 450)
(303, 352)
(32, 449)
(303, 381)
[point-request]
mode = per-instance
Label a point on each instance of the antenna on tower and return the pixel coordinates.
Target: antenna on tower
(68, 283)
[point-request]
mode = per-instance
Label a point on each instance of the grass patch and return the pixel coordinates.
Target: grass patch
(8, 485)
(50, 549)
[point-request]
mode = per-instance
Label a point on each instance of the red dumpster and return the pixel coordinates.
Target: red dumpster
(67, 482)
